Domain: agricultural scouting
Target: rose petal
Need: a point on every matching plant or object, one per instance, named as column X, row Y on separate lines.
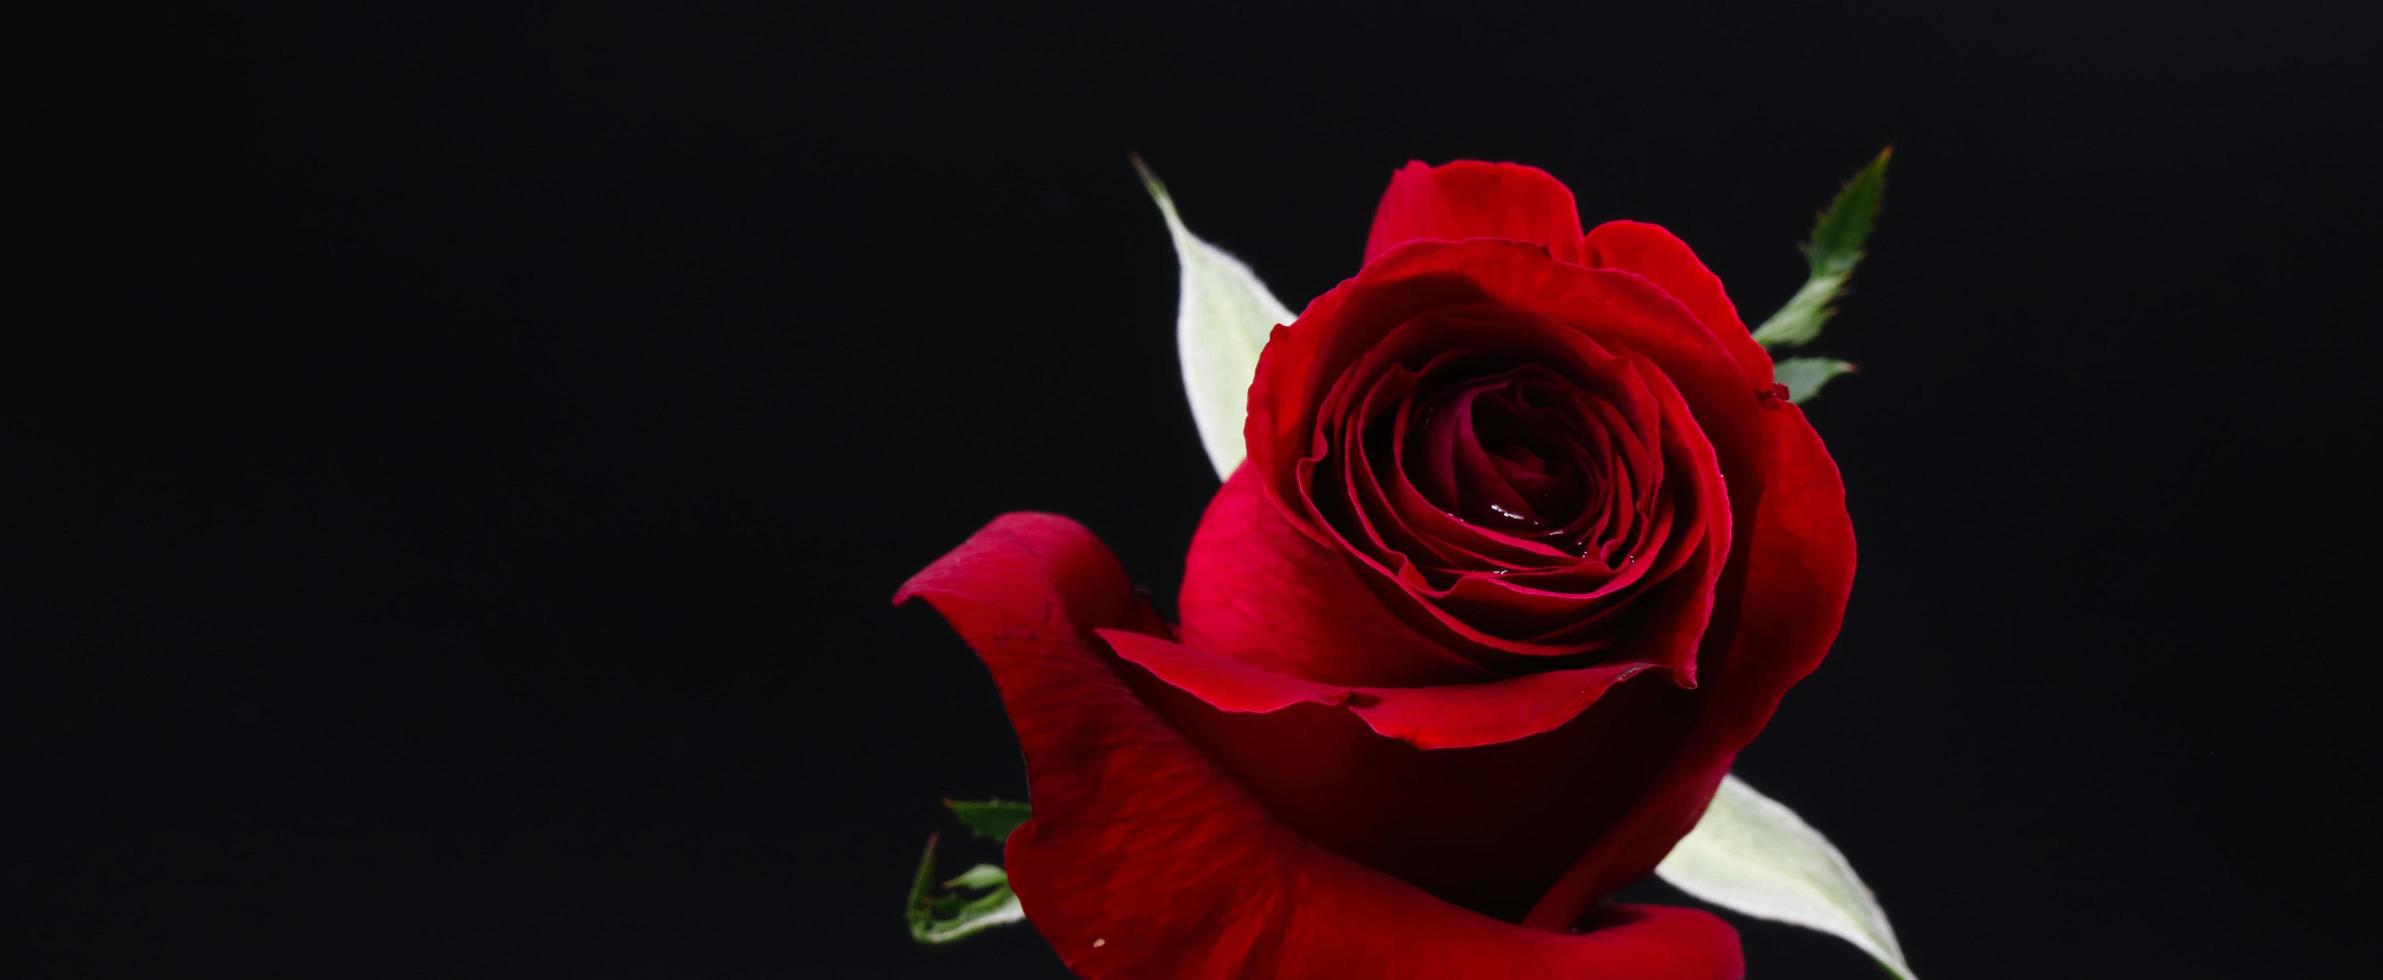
column 1778, row 610
column 1483, row 827
column 1471, row 199
column 1257, row 590
column 1408, row 552
column 1449, row 716
column 1662, row 258
column 1799, row 573
column 1794, row 593
column 1614, row 308
column 1143, row 859
column 1394, row 516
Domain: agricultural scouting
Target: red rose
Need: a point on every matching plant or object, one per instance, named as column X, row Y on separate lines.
column 1528, row 545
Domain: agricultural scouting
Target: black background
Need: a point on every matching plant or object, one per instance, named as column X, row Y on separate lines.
column 493, row 438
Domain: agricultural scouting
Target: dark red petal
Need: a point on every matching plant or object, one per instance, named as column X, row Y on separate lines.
column 1618, row 309
column 1143, row 859
column 1671, row 633
column 1393, row 522
column 1792, row 589
column 1798, row 574
column 1489, row 828
column 1779, row 608
column 1258, row 591
column 1449, row 716
column 1471, row 199
column 1660, row 257
column 1638, row 840
column 1400, row 309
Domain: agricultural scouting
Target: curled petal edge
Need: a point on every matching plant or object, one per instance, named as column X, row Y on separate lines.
column 1452, row 716
column 1145, row 860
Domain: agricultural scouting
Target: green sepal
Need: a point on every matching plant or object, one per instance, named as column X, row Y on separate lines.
column 1835, row 248
column 1804, row 376
column 978, row 899
column 990, row 819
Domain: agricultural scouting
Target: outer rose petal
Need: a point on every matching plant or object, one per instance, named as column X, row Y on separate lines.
column 1449, row 716
column 1144, row 860
column 1489, row 827
column 1660, row 257
column 1780, row 607
column 1471, row 199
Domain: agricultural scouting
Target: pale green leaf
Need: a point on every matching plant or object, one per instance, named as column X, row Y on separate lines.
column 990, row 819
column 980, row 877
column 1754, row 856
column 1804, row 376
column 1798, row 322
column 977, row 900
column 1835, row 248
column 1222, row 320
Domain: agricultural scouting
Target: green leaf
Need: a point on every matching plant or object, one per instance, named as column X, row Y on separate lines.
column 1837, row 239
column 1835, row 248
column 1752, row 855
column 1222, row 321
column 979, row 899
column 980, row 877
column 990, row 819
column 1804, row 376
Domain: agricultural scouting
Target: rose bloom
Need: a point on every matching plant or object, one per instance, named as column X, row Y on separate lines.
column 1527, row 547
